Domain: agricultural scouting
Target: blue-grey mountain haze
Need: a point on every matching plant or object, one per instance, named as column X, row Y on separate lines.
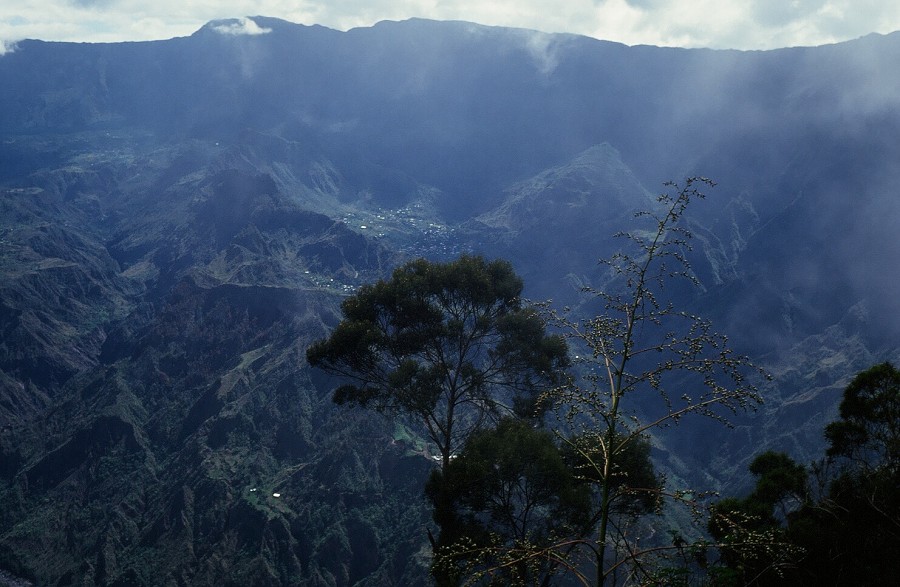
column 181, row 218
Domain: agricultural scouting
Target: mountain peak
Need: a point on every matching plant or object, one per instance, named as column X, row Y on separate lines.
column 252, row 26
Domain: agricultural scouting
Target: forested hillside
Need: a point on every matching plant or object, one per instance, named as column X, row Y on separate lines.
column 180, row 221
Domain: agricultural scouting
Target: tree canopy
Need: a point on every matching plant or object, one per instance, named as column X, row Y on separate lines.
column 640, row 355
column 509, row 492
column 868, row 432
column 848, row 534
column 450, row 345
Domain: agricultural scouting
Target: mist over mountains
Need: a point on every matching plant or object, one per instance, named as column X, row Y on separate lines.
column 180, row 219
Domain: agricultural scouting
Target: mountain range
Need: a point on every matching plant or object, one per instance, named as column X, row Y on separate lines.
column 180, row 219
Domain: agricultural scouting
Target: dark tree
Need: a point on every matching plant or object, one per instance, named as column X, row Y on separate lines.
column 852, row 536
column 867, row 435
column 509, row 492
column 781, row 483
column 848, row 535
column 634, row 484
column 449, row 345
column 747, row 529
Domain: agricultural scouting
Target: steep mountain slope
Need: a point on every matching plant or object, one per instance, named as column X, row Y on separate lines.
column 180, row 219
column 174, row 304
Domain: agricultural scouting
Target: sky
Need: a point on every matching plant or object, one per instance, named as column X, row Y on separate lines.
column 719, row 24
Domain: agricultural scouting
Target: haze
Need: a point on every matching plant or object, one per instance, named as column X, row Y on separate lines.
column 722, row 24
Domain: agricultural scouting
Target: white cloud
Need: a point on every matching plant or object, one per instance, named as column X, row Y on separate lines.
column 743, row 24
column 241, row 26
column 544, row 50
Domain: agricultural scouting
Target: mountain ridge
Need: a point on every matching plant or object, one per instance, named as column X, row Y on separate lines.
column 179, row 219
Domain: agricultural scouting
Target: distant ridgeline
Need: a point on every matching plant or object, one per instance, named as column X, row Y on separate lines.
column 180, row 219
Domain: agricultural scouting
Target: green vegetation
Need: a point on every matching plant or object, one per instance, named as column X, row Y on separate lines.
column 842, row 518
column 647, row 364
column 449, row 345
column 450, row 349
column 521, row 505
column 446, row 345
column 510, row 491
column 173, row 238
